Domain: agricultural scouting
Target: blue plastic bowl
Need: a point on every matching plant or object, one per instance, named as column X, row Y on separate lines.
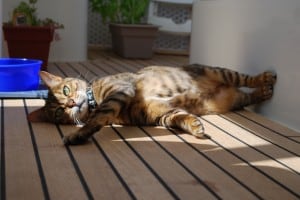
column 18, row 74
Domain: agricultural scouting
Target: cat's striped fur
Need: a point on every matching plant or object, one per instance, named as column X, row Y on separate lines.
column 166, row 96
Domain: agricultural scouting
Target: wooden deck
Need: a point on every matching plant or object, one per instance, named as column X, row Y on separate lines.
column 248, row 157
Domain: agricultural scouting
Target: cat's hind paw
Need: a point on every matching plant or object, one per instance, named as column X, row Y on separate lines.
column 263, row 93
column 269, row 78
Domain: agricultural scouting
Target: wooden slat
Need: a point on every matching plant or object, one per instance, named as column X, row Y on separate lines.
column 237, row 166
column 94, row 69
column 96, row 172
column 52, row 68
column 270, row 175
column 271, row 125
column 178, row 180
column 21, row 169
column 128, row 64
column 136, row 175
column 281, row 145
column 261, row 154
column 201, row 167
column 56, row 163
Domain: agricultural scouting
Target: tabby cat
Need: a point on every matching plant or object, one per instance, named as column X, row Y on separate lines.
column 165, row 96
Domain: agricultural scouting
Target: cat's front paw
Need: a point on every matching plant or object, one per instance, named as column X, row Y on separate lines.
column 73, row 139
column 198, row 129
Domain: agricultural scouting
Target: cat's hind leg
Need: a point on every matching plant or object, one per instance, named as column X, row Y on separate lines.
column 259, row 95
column 233, row 78
column 262, row 79
column 183, row 120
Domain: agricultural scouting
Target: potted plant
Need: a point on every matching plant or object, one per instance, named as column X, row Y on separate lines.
column 130, row 37
column 27, row 36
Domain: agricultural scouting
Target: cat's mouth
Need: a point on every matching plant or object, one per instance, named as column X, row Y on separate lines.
column 76, row 115
column 79, row 111
column 81, row 105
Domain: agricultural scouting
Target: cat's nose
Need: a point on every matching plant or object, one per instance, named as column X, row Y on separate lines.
column 71, row 103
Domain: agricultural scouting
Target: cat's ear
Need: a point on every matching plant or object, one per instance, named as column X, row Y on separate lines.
column 49, row 79
column 38, row 115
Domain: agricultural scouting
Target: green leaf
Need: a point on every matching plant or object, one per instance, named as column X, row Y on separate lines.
column 120, row 11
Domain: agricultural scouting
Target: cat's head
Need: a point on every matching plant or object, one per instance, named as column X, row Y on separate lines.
column 66, row 102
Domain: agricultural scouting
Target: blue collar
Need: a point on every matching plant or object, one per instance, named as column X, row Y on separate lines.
column 90, row 97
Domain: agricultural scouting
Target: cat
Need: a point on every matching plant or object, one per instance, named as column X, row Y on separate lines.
column 173, row 97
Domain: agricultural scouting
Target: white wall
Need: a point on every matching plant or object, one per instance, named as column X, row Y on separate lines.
column 251, row 36
column 71, row 13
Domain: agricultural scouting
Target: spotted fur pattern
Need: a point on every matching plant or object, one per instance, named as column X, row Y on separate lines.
column 165, row 96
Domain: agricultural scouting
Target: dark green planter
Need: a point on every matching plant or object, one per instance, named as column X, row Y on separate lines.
column 133, row 40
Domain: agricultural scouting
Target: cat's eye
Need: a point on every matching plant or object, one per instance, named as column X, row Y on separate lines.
column 66, row 90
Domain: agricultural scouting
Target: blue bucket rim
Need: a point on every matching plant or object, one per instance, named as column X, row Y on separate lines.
column 29, row 62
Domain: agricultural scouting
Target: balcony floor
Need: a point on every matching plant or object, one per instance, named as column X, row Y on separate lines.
column 248, row 157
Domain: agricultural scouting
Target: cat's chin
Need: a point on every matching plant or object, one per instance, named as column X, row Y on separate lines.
column 79, row 114
column 84, row 108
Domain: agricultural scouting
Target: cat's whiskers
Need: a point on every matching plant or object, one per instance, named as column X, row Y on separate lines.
column 81, row 94
column 74, row 114
column 92, row 80
column 86, row 75
column 81, row 99
column 79, row 76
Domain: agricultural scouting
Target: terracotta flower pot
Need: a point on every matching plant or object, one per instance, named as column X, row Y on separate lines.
column 29, row 42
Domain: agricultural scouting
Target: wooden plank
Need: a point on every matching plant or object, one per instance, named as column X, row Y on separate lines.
column 172, row 60
column 181, row 182
column 156, row 60
column 160, row 62
column 99, row 176
column 135, row 62
column 128, row 64
column 277, row 156
column 116, row 67
column 21, row 169
column 61, row 177
column 271, row 174
column 82, row 71
column 137, row 176
column 108, row 69
column 123, row 66
column 199, row 165
column 94, row 68
column 271, row 125
column 278, row 140
column 52, row 68
column 239, row 170
column 67, row 69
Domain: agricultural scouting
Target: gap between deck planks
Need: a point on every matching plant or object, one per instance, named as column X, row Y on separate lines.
column 248, row 155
